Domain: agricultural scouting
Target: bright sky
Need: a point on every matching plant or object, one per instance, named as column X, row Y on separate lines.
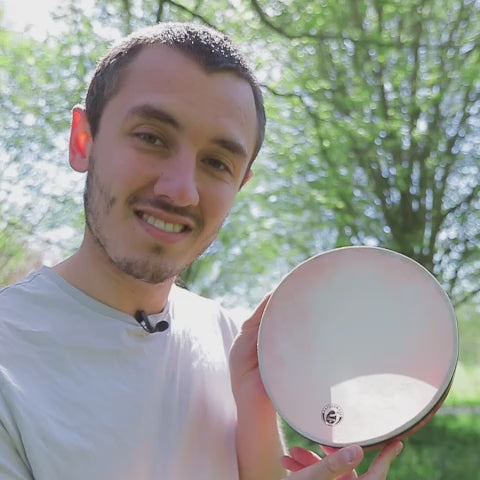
column 35, row 13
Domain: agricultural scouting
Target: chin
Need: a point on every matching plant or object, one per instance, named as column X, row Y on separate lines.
column 147, row 271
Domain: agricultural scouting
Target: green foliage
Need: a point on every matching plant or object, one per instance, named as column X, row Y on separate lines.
column 372, row 136
column 469, row 328
column 388, row 125
column 12, row 255
column 372, row 109
column 16, row 259
column 40, row 82
column 444, row 449
column 466, row 384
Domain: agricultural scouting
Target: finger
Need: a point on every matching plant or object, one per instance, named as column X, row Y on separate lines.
column 381, row 465
column 333, row 466
column 299, row 459
column 329, row 450
column 349, row 476
column 291, row 464
column 254, row 320
column 303, row 456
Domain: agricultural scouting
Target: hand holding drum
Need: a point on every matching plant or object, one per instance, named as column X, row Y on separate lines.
column 358, row 346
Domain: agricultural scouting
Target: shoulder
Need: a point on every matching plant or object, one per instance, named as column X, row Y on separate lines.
column 22, row 304
column 15, row 293
column 202, row 310
column 189, row 298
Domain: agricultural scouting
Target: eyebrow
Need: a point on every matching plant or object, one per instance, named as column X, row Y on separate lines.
column 149, row 112
column 232, row 146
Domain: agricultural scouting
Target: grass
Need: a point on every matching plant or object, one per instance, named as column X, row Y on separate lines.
column 466, row 386
column 446, row 449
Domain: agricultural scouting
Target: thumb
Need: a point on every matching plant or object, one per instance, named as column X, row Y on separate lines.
column 333, row 466
column 254, row 320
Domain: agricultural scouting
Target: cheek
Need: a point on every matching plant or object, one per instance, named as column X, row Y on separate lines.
column 117, row 162
column 218, row 201
column 124, row 181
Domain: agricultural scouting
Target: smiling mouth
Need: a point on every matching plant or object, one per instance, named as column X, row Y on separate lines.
column 165, row 226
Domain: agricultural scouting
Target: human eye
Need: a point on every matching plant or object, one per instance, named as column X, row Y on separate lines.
column 151, row 139
column 217, row 164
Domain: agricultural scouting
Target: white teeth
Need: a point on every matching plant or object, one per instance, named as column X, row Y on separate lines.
column 167, row 227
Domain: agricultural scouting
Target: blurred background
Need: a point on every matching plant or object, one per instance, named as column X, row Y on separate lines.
column 373, row 138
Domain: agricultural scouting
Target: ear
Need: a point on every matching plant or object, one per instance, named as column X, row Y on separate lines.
column 247, row 178
column 80, row 140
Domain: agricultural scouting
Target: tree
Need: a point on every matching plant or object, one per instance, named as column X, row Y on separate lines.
column 390, row 98
column 373, row 108
column 40, row 83
column 16, row 259
column 373, row 138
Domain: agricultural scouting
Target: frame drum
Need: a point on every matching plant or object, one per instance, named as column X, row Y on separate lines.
column 358, row 345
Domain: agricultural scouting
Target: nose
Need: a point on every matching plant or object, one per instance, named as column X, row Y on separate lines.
column 177, row 181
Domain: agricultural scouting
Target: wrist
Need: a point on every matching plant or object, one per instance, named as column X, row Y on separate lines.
column 260, row 443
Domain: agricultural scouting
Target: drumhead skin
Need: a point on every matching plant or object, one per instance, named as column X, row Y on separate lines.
column 358, row 345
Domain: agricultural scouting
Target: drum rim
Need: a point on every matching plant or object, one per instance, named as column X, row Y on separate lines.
column 437, row 399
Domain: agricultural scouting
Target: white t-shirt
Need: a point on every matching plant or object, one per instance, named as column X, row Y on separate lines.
column 87, row 394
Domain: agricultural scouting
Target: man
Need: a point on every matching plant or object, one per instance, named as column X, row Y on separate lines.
column 108, row 370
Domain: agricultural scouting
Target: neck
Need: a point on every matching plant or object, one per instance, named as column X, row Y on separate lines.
column 100, row 279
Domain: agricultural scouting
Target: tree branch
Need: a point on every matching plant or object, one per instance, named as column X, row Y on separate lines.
column 265, row 19
column 194, row 15
column 159, row 13
column 466, row 200
column 466, row 297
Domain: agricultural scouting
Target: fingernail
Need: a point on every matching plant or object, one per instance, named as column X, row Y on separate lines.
column 349, row 453
column 399, row 449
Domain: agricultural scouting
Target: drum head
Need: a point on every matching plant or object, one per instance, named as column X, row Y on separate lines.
column 357, row 345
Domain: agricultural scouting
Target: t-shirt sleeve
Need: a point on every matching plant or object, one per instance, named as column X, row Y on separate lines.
column 13, row 462
column 231, row 326
column 12, row 466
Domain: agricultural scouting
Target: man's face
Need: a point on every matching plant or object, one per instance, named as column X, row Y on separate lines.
column 170, row 154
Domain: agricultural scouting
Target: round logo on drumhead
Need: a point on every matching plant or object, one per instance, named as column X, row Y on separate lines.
column 332, row 414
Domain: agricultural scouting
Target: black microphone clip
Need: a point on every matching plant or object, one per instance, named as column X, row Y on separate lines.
column 142, row 318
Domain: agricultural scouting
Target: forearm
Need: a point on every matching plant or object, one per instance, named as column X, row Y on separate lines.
column 259, row 441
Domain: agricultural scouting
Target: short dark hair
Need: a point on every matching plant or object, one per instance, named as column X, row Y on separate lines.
column 209, row 48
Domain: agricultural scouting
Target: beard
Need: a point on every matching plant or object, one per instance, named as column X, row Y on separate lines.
column 154, row 267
